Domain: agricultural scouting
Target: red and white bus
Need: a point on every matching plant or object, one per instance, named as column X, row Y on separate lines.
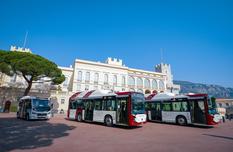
column 182, row 109
column 119, row 108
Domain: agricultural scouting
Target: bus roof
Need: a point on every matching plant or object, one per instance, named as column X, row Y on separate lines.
column 164, row 96
column 170, row 96
column 123, row 93
column 197, row 95
column 74, row 96
column 31, row 97
column 27, row 97
column 97, row 94
column 91, row 94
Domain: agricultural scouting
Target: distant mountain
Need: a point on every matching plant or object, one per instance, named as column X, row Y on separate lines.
column 215, row 90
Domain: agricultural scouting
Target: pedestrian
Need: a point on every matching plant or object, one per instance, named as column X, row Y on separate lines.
column 223, row 119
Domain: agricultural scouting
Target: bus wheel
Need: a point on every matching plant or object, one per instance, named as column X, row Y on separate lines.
column 27, row 117
column 181, row 120
column 79, row 117
column 108, row 121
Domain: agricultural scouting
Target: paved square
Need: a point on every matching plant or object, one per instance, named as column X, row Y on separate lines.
column 59, row 134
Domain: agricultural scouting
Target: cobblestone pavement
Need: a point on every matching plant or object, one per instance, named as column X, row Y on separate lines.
column 59, row 134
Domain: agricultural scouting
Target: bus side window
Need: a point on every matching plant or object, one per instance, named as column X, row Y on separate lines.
column 86, row 104
column 176, row 106
column 28, row 104
column 180, row 106
column 113, row 105
column 158, row 106
column 98, row 104
column 153, row 106
column 167, row 106
column 184, row 106
column 147, row 106
column 79, row 104
column 201, row 105
column 109, row 105
column 73, row 105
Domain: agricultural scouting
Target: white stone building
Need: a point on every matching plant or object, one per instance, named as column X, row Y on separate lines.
column 113, row 75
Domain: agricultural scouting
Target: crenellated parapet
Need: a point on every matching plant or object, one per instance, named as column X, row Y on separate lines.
column 20, row 49
column 114, row 61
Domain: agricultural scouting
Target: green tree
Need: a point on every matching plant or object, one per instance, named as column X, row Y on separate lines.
column 4, row 67
column 33, row 68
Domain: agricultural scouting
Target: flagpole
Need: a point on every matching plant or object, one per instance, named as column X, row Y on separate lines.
column 25, row 39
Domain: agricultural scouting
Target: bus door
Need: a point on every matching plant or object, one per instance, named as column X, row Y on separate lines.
column 24, row 109
column 27, row 107
column 89, row 109
column 197, row 109
column 156, row 112
column 20, row 109
column 121, row 113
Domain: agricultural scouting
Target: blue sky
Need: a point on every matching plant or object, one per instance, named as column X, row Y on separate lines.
column 196, row 36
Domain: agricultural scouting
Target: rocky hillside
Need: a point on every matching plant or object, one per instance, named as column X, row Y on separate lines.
column 215, row 90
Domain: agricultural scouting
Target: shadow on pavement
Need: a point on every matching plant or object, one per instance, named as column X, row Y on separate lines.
column 189, row 125
column 102, row 124
column 21, row 134
column 217, row 136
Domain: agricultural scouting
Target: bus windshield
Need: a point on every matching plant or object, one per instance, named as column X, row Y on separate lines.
column 138, row 106
column 212, row 105
column 41, row 105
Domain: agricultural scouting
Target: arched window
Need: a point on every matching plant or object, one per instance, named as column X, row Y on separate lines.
column 87, row 76
column 139, row 82
column 123, row 80
column 154, row 84
column 86, row 87
column 114, row 79
column 131, row 81
column 161, row 85
column 147, row 92
column 105, row 79
column 220, row 105
column 96, row 77
column 147, row 83
column 131, row 89
column 140, row 90
column 79, row 75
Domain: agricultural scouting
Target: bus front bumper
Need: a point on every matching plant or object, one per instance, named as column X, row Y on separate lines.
column 40, row 116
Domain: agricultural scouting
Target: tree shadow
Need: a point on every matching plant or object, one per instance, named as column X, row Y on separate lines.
column 20, row 134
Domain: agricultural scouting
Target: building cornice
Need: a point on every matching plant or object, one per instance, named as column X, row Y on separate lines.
column 118, row 67
column 145, row 71
column 66, row 68
column 100, row 64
